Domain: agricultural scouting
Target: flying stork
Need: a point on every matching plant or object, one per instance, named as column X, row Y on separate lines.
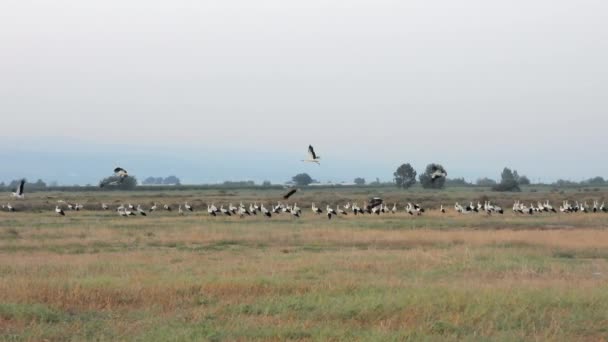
column 312, row 156
column 438, row 172
column 18, row 193
column 289, row 193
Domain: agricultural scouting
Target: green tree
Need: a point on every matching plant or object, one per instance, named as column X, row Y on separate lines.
column 171, row 180
column 427, row 180
column 509, row 181
column 524, row 180
column 359, row 181
column 302, row 179
column 115, row 183
column 486, row 182
column 405, row 176
column 149, row 181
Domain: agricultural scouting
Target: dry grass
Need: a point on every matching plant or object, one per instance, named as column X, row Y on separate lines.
column 96, row 276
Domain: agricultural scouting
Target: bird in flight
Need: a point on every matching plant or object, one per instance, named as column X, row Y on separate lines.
column 312, row 156
column 18, row 193
column 119, row 173
column 437, row 173
column 289, row 193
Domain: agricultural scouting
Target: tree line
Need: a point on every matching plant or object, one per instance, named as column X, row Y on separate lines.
column 404, row 177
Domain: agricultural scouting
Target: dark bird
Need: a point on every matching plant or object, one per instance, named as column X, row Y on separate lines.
column 289, row 193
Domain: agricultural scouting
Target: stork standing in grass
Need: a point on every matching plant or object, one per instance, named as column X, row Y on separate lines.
column 265, row 211
column 225, row 211
column 141, row 211
column 330, row 212
column 188, row 207
column 315, row 209
column 211, row 210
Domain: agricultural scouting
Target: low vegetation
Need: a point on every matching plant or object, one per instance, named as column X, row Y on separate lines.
column 95, row 276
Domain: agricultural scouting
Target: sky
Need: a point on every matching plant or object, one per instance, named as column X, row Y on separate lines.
column 237, row 89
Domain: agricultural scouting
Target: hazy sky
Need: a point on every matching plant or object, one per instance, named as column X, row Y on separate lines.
column 474, row 84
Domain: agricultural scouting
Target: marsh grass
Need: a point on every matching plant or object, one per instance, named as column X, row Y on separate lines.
column 96, row 276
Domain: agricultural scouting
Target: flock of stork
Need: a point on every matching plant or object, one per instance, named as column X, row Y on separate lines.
column 520, row 208
column 375, row 206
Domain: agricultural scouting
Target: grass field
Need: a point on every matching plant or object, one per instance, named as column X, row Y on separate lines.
column 93, row 275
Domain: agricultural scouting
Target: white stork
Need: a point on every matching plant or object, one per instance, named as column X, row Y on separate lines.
column 438, row 172
column 312, row 156
column 141, row 211
column 225, row 211
column 211, row 210
column 265, row 211
column 59, row 211
column 18, row 193
column 315, row 209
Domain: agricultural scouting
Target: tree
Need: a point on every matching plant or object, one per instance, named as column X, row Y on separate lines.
column 302, row 179
column 39, row 184
column 359, row 181
column 524, row 180
column 427, row 180
column 405, row 176
column 595, row 181
column 115, row 183
column 509, row 181
column 149, row 181
column 486, row 182
column 457, row 182
column 171, row 180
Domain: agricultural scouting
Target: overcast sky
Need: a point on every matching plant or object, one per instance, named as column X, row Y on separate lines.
column 474, row 84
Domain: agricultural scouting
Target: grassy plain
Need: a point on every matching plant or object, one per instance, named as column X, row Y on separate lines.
column 93, row 275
